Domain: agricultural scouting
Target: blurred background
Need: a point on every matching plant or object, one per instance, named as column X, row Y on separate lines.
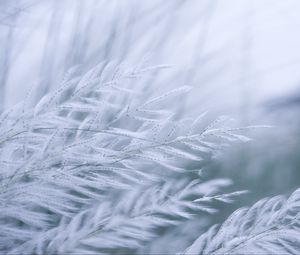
column 241, row 57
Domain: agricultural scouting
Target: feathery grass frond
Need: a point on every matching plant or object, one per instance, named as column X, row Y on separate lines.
column 94, row 167
column 270, row 226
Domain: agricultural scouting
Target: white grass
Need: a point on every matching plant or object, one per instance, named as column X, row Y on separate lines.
column 94, row 168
